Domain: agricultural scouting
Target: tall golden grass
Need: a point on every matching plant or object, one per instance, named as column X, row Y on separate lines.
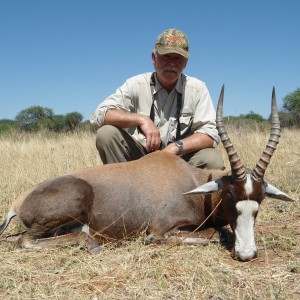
column 136, row 271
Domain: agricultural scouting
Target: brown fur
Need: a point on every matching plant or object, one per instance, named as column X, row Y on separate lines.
column 117, row 201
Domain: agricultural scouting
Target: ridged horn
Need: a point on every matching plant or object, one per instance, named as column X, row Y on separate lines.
column 237, row 168
column 261, row 166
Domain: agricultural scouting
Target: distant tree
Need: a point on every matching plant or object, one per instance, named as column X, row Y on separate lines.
column 7, row 126
column 286, row 119
column 59, row 123
column 249, row 121
column 291, row 102
column 73, row 120
column 87, row 126
column 291, row 105
column 253, row 116
column 35, row 118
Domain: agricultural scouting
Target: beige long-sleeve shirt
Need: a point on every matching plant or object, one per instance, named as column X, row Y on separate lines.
column 135, row 96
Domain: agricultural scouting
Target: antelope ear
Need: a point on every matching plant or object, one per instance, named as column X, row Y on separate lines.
column 206, row 188
column 275, row 193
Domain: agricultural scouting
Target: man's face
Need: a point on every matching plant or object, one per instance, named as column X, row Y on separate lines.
column 169, row 66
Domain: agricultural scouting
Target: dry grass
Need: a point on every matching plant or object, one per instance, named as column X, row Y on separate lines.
column 136, row 271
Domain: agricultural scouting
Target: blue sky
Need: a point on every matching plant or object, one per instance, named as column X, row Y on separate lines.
column 69, row 55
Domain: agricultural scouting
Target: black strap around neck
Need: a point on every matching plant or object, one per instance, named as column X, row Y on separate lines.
column 152, row 85
column 179, row 104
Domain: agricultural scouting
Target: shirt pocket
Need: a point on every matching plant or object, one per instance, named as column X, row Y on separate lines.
column 185, row 120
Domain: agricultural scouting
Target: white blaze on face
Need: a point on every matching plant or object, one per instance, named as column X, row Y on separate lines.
column 248, row 186
column 245, row 248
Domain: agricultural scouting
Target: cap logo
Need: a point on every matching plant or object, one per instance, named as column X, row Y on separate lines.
column 174, row 38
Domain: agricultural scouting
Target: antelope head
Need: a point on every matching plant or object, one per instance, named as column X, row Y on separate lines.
column 243, row 190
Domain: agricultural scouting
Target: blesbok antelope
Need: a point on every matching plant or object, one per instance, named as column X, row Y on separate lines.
column 119, row 200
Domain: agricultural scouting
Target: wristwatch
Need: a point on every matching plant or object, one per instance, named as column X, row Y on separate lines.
column 179, row 144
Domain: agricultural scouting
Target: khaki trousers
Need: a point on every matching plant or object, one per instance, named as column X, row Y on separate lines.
column 116, row 145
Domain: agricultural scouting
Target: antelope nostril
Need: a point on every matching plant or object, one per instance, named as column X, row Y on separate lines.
column 245, row 255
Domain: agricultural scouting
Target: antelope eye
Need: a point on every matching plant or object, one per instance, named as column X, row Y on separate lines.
column 231, row 194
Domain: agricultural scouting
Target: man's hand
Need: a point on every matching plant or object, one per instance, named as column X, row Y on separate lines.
column 151, row 133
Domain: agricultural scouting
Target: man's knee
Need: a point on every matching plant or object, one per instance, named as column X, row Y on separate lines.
column 110, row 144
column 208, row 158
column 215, row 161
column 105, row 135
column 116, row 145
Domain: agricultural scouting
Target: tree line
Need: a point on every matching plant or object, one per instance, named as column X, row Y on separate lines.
column 38, row 118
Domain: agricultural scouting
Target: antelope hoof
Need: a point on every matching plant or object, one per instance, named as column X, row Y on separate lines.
column 152, row 239
column 96, row 250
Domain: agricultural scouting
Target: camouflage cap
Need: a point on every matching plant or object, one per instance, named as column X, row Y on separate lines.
column 172, row 41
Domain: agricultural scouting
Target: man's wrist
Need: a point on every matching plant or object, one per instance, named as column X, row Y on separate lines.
column 180, row 146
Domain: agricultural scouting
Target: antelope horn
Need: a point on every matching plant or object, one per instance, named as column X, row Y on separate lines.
column 237, row 168
column 261, row 166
